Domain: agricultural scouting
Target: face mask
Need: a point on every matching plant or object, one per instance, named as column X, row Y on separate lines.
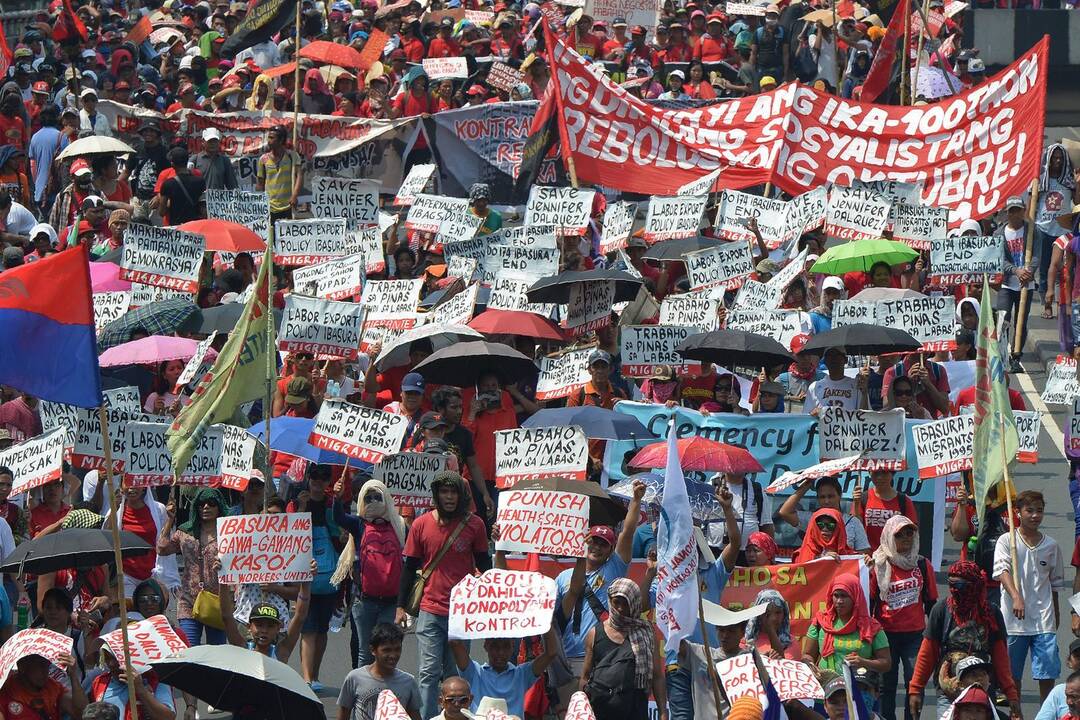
column 374, row 510
column 771, row 22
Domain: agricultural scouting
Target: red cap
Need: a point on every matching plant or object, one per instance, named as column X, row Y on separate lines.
column 476, row 90
column 603, row 532
column 715, row 17
column 121, row 85
column 799, row 342
column 974, row 695
column 231, row 81
column 185, row 88
column 84, row 227
column 41, row 87
column 638, row 30
column 80, row 167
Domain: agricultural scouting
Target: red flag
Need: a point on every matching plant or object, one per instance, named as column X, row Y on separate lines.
column 6, row 55
column 69, row 27
column 877, row 80
column 141, row 31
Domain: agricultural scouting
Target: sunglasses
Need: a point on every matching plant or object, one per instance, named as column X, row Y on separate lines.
column 458, row 699
column 149, row 598
column 959, row 584
column 825, row 524
column 373, row 497
column 908, row 531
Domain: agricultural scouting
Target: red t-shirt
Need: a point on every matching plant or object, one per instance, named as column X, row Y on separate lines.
column 967, row 397
column 485, row 426
column 140, row 522
column 901, row 609
column 13, row 132
column 41, row 517
column 710, row 50
column 877, row 511
column 425, row 539
column 20, row 702
column 698, row 389
column 441, row 48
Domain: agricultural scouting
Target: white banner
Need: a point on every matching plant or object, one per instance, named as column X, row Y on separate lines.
column 531, row 262
column 324, row 327
column 508, row 293
column 36, row 461
column 1061, row 385
column 250, row 209
column 428, row 212
column 408, row 476
column 307, row 242
column 108, row 306
column 356, row 200
column 162, row 256
column 148, row 462
column 698, row 310
column 149, row 640
column 877, row 436
column 389, row 299
column 726, row 266
column 966, row 259
column 618, row 222
column 360, row 432
column 417, row 181
column 930, row 320
column 339, row 279
column 534, row 453
column 446, row 67
column 944, row 446
column 563, row 375
column 856, row 214
column 501, row 604
column 669, row 218
column 919, row 225
column 646, row 348
column 267, row 548
column 566, row 209
column 736, row 208
column 589, row 308
column 543, row 521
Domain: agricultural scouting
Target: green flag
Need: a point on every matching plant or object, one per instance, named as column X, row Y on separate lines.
column 239, row 375
column 995, row 426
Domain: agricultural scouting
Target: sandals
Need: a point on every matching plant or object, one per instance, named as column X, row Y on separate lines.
column 1048, row 312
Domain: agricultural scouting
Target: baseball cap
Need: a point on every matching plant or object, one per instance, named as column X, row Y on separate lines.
column 772, row 388
column 298, row 391
column 80, row 167
column 799, row 342
column 677, row 73
column 834, row 686
column 264, row 611
column 965, row 337
column 432, row 420
column 867, row 677
column 476, row 90
column 834, row 283
column 1014, row 201
column 974, row 695
column 88, row 92
column 121, row 85
column 40, row 87
column 974, row 661
column 637, row 30
column 976, row 65
column 185, row 88
column 256, row 476
column 1074, row 646
column 599, row 355
column 413, row 382
column 91, row 202
column 715, row 18
column 211, row 134
column 767, row 80
column 618, row 22
column 603, row 532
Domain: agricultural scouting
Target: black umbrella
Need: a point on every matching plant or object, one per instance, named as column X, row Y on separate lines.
column 597, row 422
column 863, row 339
column 463, row 363
column 603, row 509
column 675, row 249
column 224, row 318
column 72, row 548
column 734, row 347
column 556, row 288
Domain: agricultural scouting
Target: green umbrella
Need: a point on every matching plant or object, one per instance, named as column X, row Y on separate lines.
column 861, row 255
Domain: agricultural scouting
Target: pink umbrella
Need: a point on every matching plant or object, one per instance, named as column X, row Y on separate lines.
column 149, row 350
column 105, row 277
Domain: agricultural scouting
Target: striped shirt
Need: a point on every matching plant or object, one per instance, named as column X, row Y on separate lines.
column 277, row 178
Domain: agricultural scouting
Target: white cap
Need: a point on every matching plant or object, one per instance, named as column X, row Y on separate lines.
column 488, row 703
column 677, row 73
column 211, row 134
column 87, row 92
column 185, row 62
column 832, row 283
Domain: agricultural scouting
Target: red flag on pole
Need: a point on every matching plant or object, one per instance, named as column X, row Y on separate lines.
column 69, row 27
column 6, row 55
column 877, row 80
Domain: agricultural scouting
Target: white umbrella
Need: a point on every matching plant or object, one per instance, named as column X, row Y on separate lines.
column 95, row 145
column 441, row 336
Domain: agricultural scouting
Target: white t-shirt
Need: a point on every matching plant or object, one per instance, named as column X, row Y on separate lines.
column 20, row 221
column 827, row 392
column 1041, row 573
column 745, row 507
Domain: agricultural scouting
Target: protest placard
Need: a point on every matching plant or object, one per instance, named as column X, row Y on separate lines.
column 147, row 460
column 82, row 427
column 618, row 222
column 739, row 8
column 462, row 267
column 508, row 293
column 534, row 453
column 458, row 310
column 919, row 225
column 787, row 274
column 360, row 432
column 386, row 330
column 634, row 12
column 930, row 320
column 783, row 326
column 457, row 228
column 589, row 308
column 110, row 305
column 702, row 186
column 191, row 367
column 428, row 212
column 566, row 209
column 647, row 348
column 324, row 327
column 877, row 436
column 501, row 604
column 268, row 548
column 850, row 312
column 944, row 446
column 526, row 236
column 820, row 470
column 355, row 199
column 149, row 640
column 307, row 242
column 142, row 294
column 504, row 77
column 417, row 181
column 474, row 248
column 563, row 375
column 387, row 300
column 446, row 67
column 36, row 461
column 1028, row 426
column 724, row 266
column 532, row 262
column 855, row 214
column 1061, row 383
column 162, row 256
column 408, row 475
column 367, row 240
column 1072, row 431
column 543, row 521
column 895, row 191
column 338, row 279
column 33, row 641
column 669, row 218
column 965, row 259
column 388, row 707
column 792, row 679
column 697, row 310
column 737, row 208
column 805, row 212
column 250, row 209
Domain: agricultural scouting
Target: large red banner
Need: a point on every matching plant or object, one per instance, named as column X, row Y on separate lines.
column 970, row 151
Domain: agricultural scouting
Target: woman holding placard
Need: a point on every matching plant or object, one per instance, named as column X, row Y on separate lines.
column 771, row 633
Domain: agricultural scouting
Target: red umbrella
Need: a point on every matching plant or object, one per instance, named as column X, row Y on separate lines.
column 331, row 53
column 516, row 322
column 225, row 236
column 698, row 453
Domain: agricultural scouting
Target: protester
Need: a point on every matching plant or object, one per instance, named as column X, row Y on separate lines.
column 846, row 632
column 360, row 690
column 770, row 632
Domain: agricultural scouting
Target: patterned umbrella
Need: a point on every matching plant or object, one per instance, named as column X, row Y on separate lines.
column 157, row 318
column 698, row 453
column 703, row 503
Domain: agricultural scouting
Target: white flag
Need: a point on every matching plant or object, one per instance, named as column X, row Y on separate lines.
column 677, row 555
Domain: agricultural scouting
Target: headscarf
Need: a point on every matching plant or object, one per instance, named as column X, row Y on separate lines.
column 118, row 58
column 886, row 556
column 746, row 707
column 464, row 496
column 970, row 225
column 252, row 103
column 479, row 191
column 960, row 306
column 970, row 605
column 7, row 152
column 774, row 598
column 192, row 526
column 860, row 621
column 82, row 518
column 380, row 511
column 118, row 216
column 814, row 544
column 314, row 84
column 765, row 544
column 1066, row 177
column 637, row 631
column 156, row 587
column 206, row 40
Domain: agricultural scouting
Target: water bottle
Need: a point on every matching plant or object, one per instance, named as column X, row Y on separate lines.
column 22, row 620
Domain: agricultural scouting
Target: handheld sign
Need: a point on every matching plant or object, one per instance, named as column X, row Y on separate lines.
column 697, row 310
column 356, row 200
column 739, row 8
column 332, row 280
column 161, row 256
column 944, row 446
column 702, row 186
column 930, row 320
column 82, row 427
column 501, row 604
column 34, row 641
column 428, row 212
column 920, row 226
column 504, row 77
column 563, row 375
column 725, row 266
column 250, row 209
column 360, row 432
column 589, row 308
column 737, row 208
column 565, row 209
column 543, row 521
column 647, row 348
column 457, row 228
column 618, row 222
column 1061, row 385
column 532, row 262
column 508, row 292
column 307, row 242
column 324, row 327
column 792, row 679
column 1072, row 431
column 147, row 460
column 149, row 640
column 1028, row 427
column 447, row 67
column 192, row 365
column 110, row 305
column 877, row 436
column 965, row 259
column 387, row 300
column 458, row 310
column 783, row 326
column 271, row 548
column 805, row 212
column 36, row 461
column 145, row 294
column 669, row 218
column 417, row 181
column 526, row 236
column 756, row 296
column 856, row 214
column 534, row 453
column 408, row 476
column 368, row 240
column 388, row 707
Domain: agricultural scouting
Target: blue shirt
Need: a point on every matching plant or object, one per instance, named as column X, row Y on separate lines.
column 117, row 694
column 820, row 323
column 510, row 685
column 644, row 538
column 599, row 581
column 711, row 582
column 1055, row 706
column 44, row 145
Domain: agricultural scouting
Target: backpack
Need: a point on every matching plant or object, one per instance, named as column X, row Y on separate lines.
column 993, row 527
column 379, row 557
column 611, row 684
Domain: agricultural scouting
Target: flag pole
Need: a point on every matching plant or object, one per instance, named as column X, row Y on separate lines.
column 271, row 366
column 905, row 81
column 918, row 53
column 1029, row 239
column 714, row 678
column 296, row 98
column 1009, row 505
column 118, row 558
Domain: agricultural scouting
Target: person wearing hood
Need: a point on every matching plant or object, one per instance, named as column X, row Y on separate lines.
column 846, row 632
column 13, row 176
column 825, row 536
column 451, row 525
column 262, row 94
column 1057, row 194
column 43, row 240
column 317, row 98
column 14, row 121
column 770, row 632
column 856, row 75
column 196, row 542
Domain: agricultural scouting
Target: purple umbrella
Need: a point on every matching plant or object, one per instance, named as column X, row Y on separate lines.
column 105, row 277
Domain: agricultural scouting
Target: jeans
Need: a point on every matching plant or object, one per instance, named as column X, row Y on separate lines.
column 680, row 696
column 1009, row 301
column 194, row 631
column 903, row 646
column 367, row 614
column 1046, row 247
column 436, row 662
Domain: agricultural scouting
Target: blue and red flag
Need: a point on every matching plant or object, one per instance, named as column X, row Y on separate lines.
column 47, row 316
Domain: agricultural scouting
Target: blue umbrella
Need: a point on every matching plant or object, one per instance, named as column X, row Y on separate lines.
column 290, row 436
column 598, row 423
column 703, row 503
